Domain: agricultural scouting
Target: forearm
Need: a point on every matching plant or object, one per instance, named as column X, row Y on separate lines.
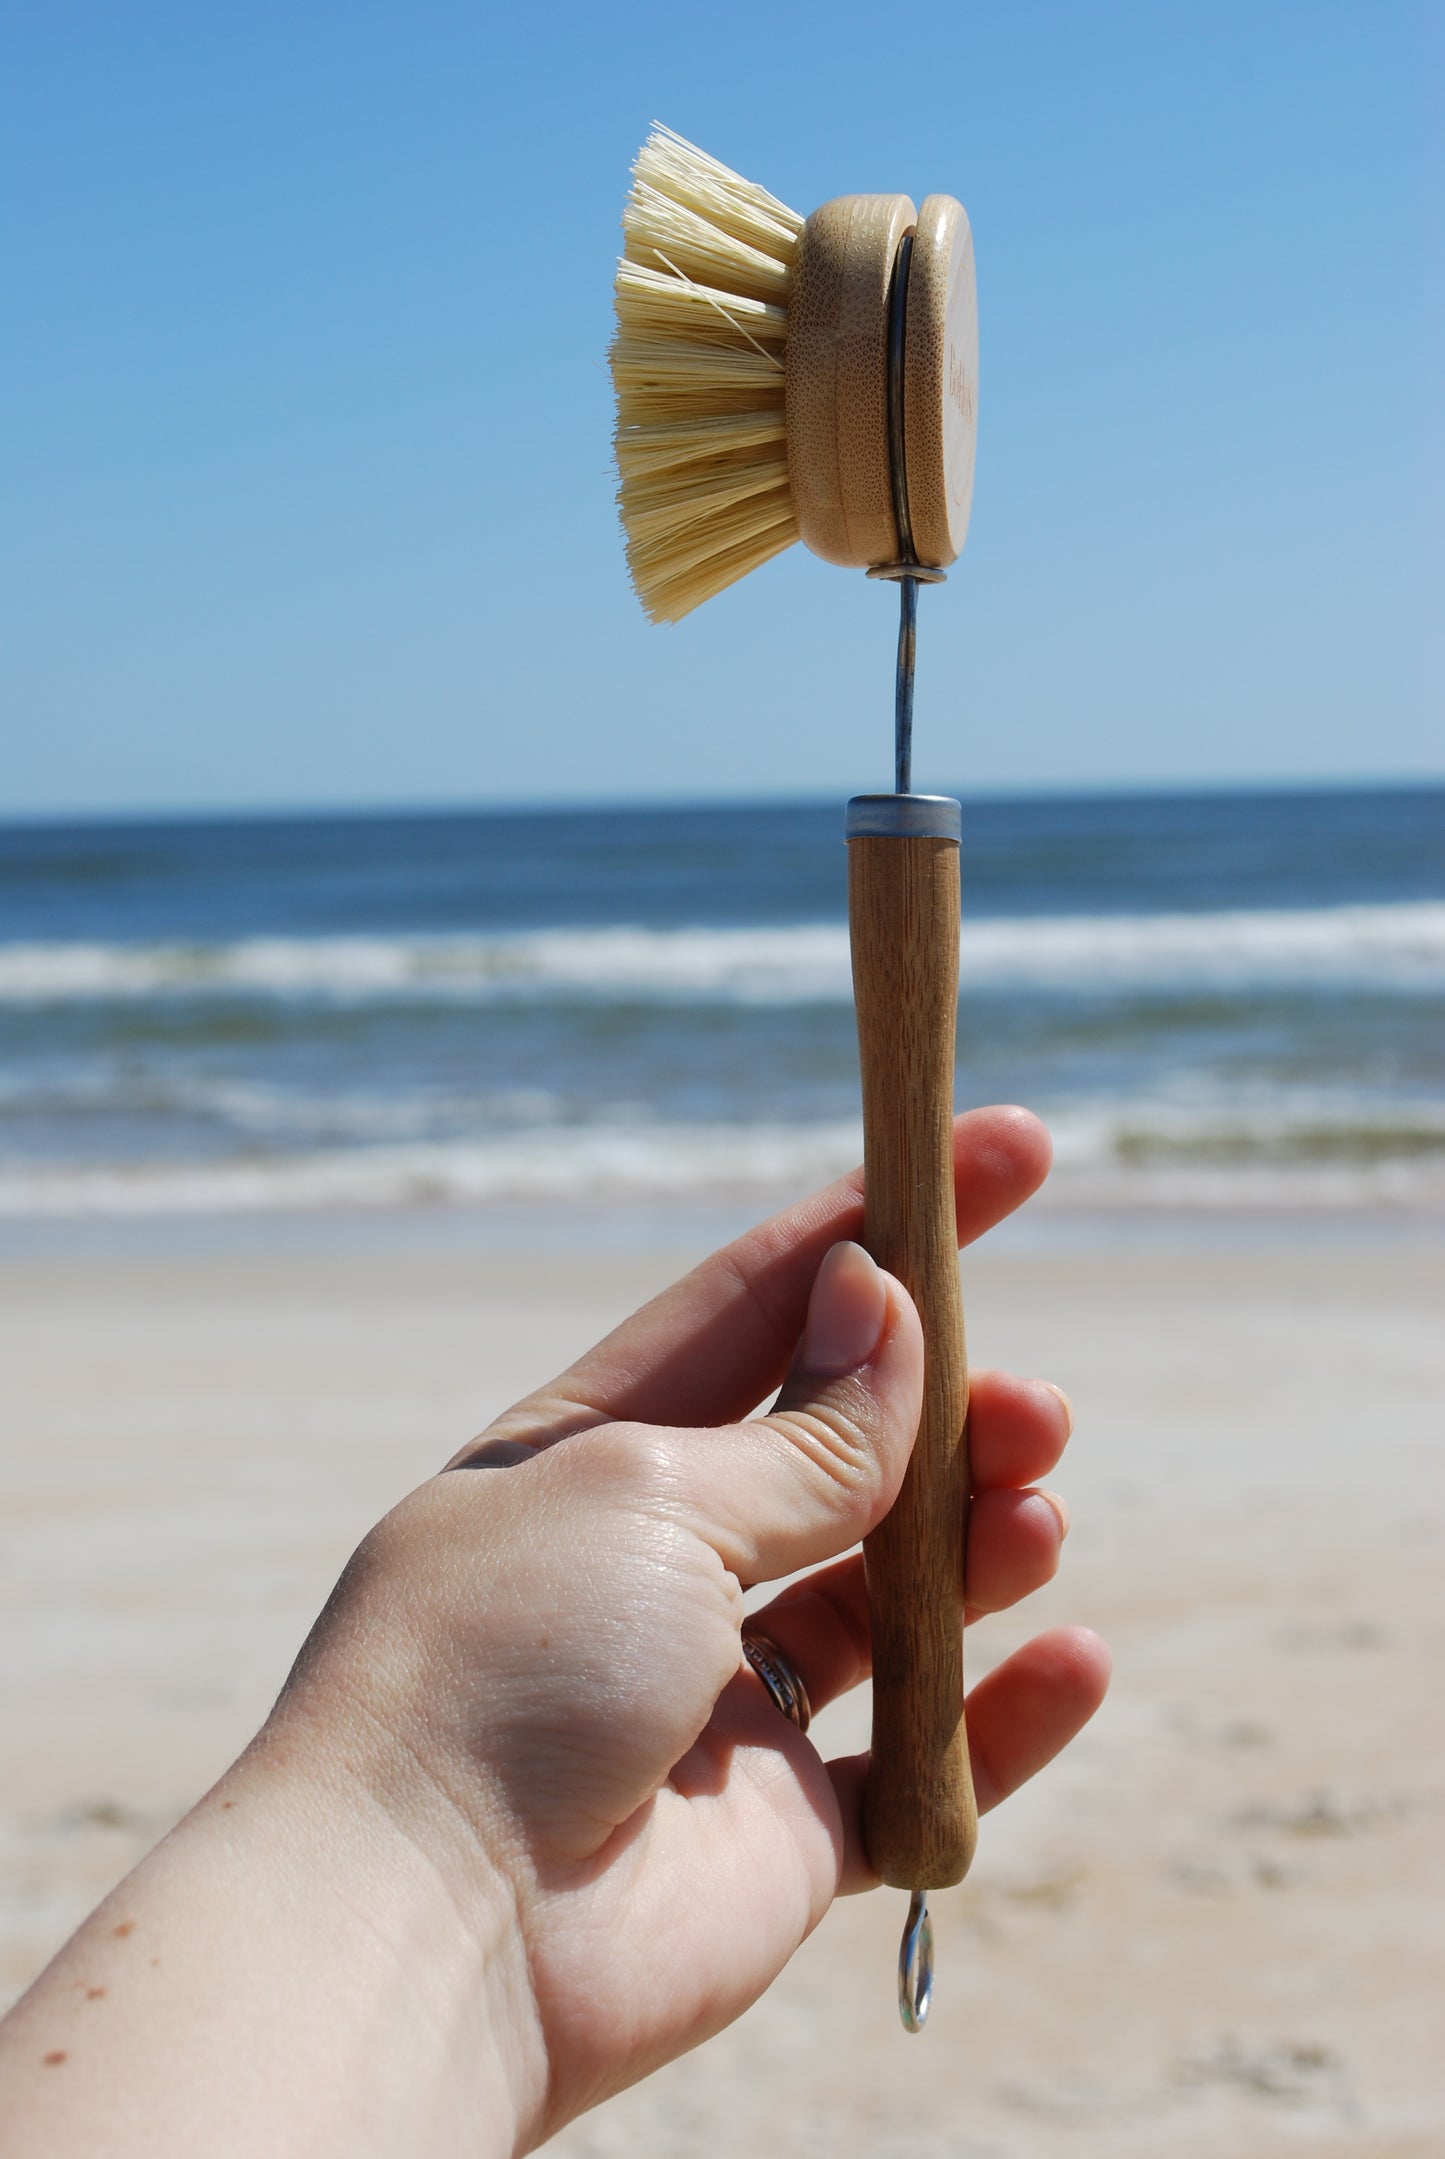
column 286, row 1973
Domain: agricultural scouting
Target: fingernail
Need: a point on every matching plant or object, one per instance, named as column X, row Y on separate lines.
column 1060, row 1508
column 846, row 1313
column 1066, row 1405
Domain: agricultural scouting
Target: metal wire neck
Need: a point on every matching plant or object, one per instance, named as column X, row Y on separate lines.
column 898, row 473
column 907, row 571
column 903, row 686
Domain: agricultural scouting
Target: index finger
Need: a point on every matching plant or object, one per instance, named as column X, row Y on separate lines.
column 711, row 1347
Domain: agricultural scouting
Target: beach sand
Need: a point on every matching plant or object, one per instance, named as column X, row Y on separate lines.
column 1219, row 1928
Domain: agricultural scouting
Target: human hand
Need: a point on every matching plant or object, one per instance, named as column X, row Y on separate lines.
column 522, row 1826
column 549, row 1632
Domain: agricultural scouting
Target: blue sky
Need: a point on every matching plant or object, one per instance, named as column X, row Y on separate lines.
column 306, row 489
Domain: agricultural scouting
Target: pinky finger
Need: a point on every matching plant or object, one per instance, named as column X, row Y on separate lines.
column 1019, row 1718
column 1031, row 1706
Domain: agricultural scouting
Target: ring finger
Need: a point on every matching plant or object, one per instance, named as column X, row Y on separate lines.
column 821, row 1623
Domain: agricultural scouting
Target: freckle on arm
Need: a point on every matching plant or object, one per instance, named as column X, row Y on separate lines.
column 53, row 2061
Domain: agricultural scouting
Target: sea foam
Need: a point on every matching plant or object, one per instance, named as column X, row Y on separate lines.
column 1398, row 947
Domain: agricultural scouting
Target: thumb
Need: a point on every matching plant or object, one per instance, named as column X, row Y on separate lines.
column 801, row 1484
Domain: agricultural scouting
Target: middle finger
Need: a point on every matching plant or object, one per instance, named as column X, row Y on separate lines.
column 1017, row 1429
column 821, row 1623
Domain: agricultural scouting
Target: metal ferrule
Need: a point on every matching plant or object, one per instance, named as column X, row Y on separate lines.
column 904, row 817
column 893, row 573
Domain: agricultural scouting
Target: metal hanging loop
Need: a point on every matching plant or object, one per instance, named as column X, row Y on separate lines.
column 915, row 1964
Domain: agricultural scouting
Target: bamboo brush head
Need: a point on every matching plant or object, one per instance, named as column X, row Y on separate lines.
column 750, row 362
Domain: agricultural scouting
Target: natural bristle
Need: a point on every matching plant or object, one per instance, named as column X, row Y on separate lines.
column 697, row 364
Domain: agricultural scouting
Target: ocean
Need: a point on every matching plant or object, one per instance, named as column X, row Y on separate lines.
column 1214, row 999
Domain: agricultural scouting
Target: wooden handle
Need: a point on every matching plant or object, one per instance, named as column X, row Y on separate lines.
column 920, row 1819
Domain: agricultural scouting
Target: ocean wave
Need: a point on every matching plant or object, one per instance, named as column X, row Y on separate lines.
column 1237, row 1129
column 1398, row 947
column 1304, row 1153
column 570, row 1162
column 273, row 1112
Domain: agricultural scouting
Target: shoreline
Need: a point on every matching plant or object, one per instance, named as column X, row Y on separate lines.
column 1056, row 1219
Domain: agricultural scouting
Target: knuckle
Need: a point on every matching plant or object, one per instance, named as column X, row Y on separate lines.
column 838, row 1438
column 635, row 1463
column 383, row 1552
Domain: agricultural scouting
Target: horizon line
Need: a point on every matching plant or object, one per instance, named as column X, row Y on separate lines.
column 661, row 804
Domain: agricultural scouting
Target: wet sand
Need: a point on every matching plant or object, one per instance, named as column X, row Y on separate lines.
column 1218, row 1929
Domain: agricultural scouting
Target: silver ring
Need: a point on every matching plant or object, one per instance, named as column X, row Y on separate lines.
column 785, row 1688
